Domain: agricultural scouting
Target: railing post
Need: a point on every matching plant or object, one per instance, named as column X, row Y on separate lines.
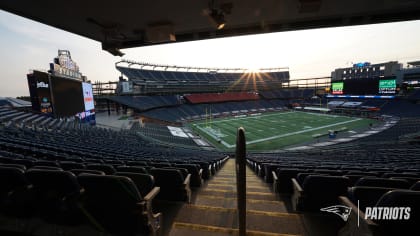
column 241, row 179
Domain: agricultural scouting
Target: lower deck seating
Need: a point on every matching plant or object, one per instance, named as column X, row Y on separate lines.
column 318, row 191
column 174, row 186
column 114, row 204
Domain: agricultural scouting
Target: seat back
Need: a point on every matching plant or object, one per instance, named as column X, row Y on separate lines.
column 77, row 172
column 171, row 183
column 322, row 191
column 133, row 169
column 167, row 177
column 144, row 182
column 285, row 175
column 112, row 203
column 14, row 196
column 106, row 168
column 46, row 163
column 69, row 165
column 25, row 162
column 382, row 182
column 400, row 198
column 55, row 195
column 194, row 170
column 416, row 186
column 367, row 196
column 11, row 178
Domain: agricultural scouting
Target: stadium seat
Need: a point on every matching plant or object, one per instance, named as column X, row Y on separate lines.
column 362, row 225
column 46, row 163
column 113, row 204
column 415, row 186
column 14, row 198
column 160, row 165
column 55, row 194
column 173, row 186
column 367, row 196
column 136, row 163
column 25, row 162
column 410, row 180
column 195, row 171
column 390, row 175
column 134, row 169
column 401, row 198
column 283, row 179
column 206, row 169
column 77, row 172
column 144, row 182
column 45, row 168
column 382, row 182
column 69, row 165
column 22, row 167
column 318, row 191
column 106, row 168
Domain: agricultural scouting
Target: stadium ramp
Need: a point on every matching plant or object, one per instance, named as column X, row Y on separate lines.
column 213, row 211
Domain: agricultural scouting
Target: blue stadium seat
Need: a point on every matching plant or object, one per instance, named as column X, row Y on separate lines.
column 113, row 204
column 173, row 186
column 318, row 191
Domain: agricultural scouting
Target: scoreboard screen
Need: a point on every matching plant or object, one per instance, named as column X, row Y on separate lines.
column 68, row 96
column 387, row 86
column 337, row 87
column 366, row 86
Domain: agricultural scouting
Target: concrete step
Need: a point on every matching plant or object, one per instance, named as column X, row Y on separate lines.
column 232, row 187
column 229, row 193
column 271, row 222
column 251, row 204
column 185, row 229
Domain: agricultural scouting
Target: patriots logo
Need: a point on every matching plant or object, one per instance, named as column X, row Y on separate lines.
column 340, row 210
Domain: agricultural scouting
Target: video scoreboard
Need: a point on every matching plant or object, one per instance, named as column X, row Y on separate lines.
column 60, row 93
column 386, row 86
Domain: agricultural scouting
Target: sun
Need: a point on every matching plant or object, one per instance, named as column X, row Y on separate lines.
column 253, row 70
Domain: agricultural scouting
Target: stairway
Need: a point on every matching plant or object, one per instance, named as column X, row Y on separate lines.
column 213, row 211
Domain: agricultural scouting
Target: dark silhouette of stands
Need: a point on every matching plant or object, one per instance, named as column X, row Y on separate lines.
column 166, row 81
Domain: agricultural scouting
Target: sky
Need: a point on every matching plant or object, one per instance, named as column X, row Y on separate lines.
column 26, row 45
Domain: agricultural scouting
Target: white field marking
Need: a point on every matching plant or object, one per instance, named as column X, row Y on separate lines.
column 268, row 115
column 214, row 137
column 248, row 117
column 284, row 135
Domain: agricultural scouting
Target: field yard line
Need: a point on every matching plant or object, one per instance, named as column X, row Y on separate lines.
column 216, row 138
column 300, row 132
column 242, row 118
column 282, row 135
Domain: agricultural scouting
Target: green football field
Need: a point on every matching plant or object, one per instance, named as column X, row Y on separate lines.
column 276, row 130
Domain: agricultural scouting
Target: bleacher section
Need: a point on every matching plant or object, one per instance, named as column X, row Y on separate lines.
column 326, row 178
column 84, row 180
column 196, row 111
column 288, row 93
column 220, row 97
column 171, row 79
column 142, row 103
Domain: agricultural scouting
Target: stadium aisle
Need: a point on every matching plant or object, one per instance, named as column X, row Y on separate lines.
column 213, row 211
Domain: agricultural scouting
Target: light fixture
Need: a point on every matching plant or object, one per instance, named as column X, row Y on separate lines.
column 217, row 14
column 219, row 18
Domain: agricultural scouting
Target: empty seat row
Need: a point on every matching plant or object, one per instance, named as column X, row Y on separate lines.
column 107, row 202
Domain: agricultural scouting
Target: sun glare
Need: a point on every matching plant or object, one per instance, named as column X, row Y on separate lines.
column 253, row 70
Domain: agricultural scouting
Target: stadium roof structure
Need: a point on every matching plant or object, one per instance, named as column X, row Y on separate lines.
column 161, row 67
column 129, row 23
